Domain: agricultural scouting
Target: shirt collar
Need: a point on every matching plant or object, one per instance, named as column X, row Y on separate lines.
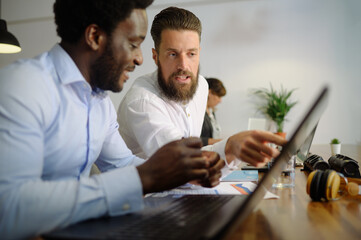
column 67, row 70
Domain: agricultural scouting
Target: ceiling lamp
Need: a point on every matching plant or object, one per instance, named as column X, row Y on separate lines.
column 8, row 42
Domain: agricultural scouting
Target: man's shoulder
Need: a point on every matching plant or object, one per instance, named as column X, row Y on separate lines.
column 32, row 66
column 29, row 81
column 202, row 83
column 146, row 82
column 144, row 87
column 25, row 73
column 202, row 91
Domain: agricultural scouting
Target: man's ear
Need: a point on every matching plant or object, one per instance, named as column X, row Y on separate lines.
column 155, row 56
column 95, row 37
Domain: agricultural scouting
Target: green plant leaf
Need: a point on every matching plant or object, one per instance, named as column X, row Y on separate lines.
column 275, row 104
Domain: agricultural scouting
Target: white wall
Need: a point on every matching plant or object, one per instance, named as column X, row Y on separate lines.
column 301, row 44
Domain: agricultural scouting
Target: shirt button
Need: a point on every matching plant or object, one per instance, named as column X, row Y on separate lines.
column 189, row 115
column 126, row 207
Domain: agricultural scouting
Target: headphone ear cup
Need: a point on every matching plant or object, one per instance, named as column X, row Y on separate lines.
column 309, row 181
column 324, row 185
column 314, row 185
column 332, row 185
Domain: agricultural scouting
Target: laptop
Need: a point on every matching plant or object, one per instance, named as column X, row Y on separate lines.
column 194, row 216
column 304, row 151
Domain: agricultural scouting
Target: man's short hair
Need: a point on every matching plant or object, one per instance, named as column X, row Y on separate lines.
column 72, row 17
column 174, row 18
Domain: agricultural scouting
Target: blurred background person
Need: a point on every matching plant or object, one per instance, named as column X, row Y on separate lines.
column 211, row 131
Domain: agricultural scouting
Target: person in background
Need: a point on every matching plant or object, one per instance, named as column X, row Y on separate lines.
column 211, row 131
column 170, row 103
column 56, row 121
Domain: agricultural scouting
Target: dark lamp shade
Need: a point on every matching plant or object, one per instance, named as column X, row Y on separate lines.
column 8, row 42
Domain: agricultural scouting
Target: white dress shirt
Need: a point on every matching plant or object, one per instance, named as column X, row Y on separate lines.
column 148, row 120
column 53, row 127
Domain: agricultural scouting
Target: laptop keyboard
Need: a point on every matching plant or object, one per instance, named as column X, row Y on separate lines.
column 171, row 223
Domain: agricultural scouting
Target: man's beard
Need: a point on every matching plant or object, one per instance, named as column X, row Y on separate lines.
column 175, row 91
column 106, row 71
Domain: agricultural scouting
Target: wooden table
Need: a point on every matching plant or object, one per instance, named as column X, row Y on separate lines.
column 295, row 216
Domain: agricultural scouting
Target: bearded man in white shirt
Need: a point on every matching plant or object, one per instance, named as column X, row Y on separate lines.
column 169, row 103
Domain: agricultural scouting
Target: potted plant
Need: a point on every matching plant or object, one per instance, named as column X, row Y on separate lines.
column 335, row 146
column 275, row 105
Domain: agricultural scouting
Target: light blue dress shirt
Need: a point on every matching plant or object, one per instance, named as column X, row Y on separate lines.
column 53, row 127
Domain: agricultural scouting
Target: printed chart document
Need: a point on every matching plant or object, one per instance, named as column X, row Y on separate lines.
column 235, row 183
column 241, row 176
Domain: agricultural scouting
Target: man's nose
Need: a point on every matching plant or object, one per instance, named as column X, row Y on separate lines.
column 138, row 58
column 182, row 62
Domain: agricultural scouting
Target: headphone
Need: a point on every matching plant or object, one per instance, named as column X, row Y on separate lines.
column 345, row 165
column 325, row 185
column 315, row 162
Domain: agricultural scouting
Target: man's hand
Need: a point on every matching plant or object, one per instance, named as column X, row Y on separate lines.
column 177, row 163
column 216, row 164
column 252, row 147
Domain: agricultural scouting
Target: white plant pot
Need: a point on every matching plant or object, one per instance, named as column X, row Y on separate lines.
column 335, row 149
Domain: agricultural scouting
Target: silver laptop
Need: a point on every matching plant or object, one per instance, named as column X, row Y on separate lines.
column 304, row 151
column 194, row 216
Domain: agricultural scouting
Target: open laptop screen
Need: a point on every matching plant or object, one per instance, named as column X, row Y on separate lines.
column 303, row 151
